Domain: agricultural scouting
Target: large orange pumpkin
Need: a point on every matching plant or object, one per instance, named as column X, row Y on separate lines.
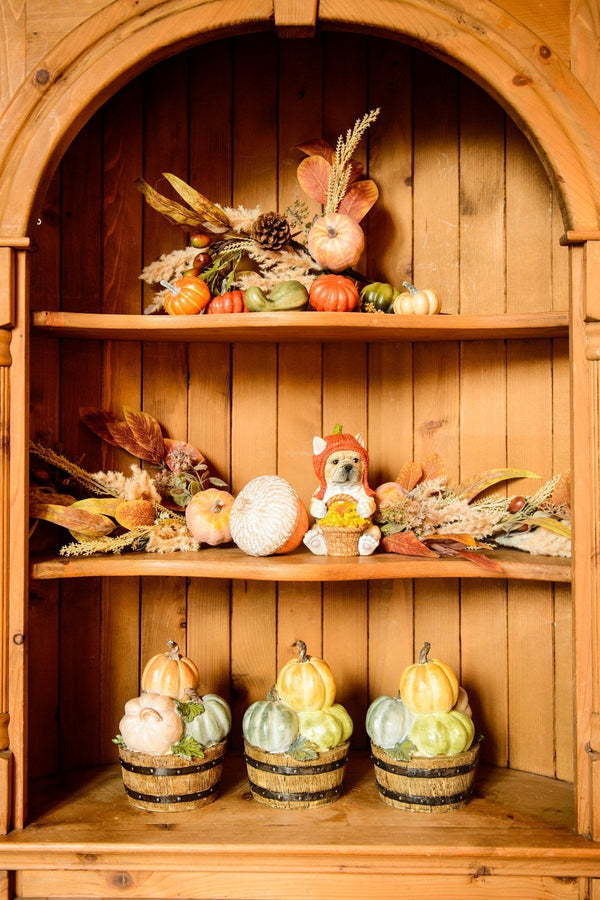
column 170, row 673
column 207, row 516
column 187, row 296
column 306, row 683
column 333, row 293
column 429, row 686
column 336, row 241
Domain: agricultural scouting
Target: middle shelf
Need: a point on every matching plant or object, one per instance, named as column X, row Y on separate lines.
column 300, row 565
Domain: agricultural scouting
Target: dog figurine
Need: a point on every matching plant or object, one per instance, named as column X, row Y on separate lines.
column 341, row 464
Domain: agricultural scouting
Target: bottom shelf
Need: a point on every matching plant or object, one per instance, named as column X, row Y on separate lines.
column 85, row 839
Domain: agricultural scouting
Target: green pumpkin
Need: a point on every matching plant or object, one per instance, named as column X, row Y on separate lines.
column 321, row 727
column 388, row 721
column 212, row 725
column 342, row 714
column 442, row 734
column 270, row 725
column 380, row 295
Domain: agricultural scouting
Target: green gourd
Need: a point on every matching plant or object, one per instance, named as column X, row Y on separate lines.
column 388, row 721
column 442, row 734
column 285, row 295
column 270, row 724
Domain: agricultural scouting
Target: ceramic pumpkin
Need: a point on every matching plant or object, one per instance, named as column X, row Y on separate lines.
column 442, row 734
column 388, row 721
column 462, row 704
column 270, row 724
column 207, row 516
column 213, row 724
column 187, row 296
column 336, row 241
column 151, row 724
column 429, row 686
column 416, row 302
column 229, row 302
column 321, row 727
column 267, row 516
column 333, row 293
column 170, row 673
column 306, row 683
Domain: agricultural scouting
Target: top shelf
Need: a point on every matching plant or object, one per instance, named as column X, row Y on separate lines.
column 298, row 326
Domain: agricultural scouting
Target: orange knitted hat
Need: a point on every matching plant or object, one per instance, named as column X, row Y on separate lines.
column 339, row 441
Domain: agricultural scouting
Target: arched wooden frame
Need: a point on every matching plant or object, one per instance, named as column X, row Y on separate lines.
column 499, row 53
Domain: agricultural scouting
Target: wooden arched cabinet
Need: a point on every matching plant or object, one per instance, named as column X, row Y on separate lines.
column 487, row 156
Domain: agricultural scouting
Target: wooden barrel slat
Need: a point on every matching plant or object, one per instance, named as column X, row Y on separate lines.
column 278, row 780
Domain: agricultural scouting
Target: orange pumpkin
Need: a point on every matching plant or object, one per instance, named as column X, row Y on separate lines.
column 306, row 683
column 333, row 293
column 390, row 493
column 207, row 516
column 230, row 302
column 336, row 241
column 429, row 686
column 187, row 296
column 170, row 673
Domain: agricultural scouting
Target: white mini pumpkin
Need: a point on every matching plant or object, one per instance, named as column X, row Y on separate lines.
column 268, row 517
column 151, row 724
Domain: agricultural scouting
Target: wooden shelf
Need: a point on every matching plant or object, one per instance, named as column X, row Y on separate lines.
column 299, row 326
column 83, row 832
column 301, row 565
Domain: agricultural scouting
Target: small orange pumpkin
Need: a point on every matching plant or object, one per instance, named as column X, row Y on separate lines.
column 429, row 686
column 333, row 293
column 187, row 296
column 307, row 682
column 230, row 302
column 207, row 516
column 336, row 241
column 170, row 673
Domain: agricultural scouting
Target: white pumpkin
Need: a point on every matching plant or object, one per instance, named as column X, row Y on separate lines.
column 151, row 724
column 267, row 516
column 212, row 725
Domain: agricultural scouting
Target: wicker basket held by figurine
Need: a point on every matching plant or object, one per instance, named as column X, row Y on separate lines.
column 342, row 540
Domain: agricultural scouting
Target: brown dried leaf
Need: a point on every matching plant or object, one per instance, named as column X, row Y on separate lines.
column 313, row 177
column 487, row 479
column 320, row 147
column 147, row 432
column 135, row 513
column 174, row 212
column 433, row 467
column 79, row 520
column 480, row 559
column 210, row 212
column 358, row 199
column 405, row 543
column 98, row 421
column 103, row 506
column 561, row 495
column 454, row 541
column 409, row 475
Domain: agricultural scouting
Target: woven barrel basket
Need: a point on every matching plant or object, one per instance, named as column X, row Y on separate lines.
column 279, row 780
column 426, row 784
column 171, row 783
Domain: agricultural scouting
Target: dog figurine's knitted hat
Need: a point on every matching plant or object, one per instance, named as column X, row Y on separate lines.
column 324, row 447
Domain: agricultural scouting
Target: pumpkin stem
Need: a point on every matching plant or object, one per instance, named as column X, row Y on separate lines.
column 273, row 695
column 170, row 287
column 423, row 654
column 192, row 695
column 409, row 287
column 302, row 657
column 331, row 231
column 173, row 650
column 337, row 429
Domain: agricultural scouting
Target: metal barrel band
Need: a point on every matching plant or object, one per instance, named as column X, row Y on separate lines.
column 426, row 801
column 423, row 773
column 162, row 770
column 295, row 798
column 297, row 770
column 172, row 798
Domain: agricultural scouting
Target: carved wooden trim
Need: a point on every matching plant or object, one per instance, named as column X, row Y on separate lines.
column 295, row 18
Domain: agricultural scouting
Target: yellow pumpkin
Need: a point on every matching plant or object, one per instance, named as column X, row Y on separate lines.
column 170, row 673
column 429, row 686
column 416, row 302
column 306, row 683
column 336, row 241
column 207, row 516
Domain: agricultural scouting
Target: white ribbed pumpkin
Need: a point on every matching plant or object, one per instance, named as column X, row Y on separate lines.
column 268, row 517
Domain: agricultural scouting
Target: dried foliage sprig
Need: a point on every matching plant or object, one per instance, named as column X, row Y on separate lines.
column 339, row 177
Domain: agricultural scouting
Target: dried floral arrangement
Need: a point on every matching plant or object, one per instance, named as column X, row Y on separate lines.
column 108, row 512
column 420, row 515
column 246, row 248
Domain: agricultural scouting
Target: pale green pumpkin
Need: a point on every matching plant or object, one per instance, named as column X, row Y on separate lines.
column 270, row 724
column 388, row 721
column 212, row 725
column 325, row 727
column 442, row 734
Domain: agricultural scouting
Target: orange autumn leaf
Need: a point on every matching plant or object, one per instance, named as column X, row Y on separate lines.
column 313, row 177
column 147, row 432
column 358, row 199
column 99, row 421
column 409, row 475
column 135, row 513
column 433, row 467
column 561, row 495
column 481, row 560
column 320, row 147
column 405, row 543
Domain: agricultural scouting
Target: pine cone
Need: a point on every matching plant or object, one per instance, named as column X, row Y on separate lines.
column 271, row 230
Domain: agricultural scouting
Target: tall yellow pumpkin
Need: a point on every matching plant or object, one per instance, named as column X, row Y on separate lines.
column 429, row 686
column 306, row 683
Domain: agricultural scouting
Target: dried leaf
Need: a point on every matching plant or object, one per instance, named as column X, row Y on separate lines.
column 79, row 520
column 103, row 506
column 147, row 432
column 209, row 211
column 409, row 475
column 358, row 199
column 561, row 495
column 434, row 467
column 320, row 147
column 405, row 543
column 174, row 448
column 487, row 479
column 457, row 541
column 313, row 177
column 554, row 525
column 135, row 513
column 480, row 559
column 98, row 421
column 174, row 212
